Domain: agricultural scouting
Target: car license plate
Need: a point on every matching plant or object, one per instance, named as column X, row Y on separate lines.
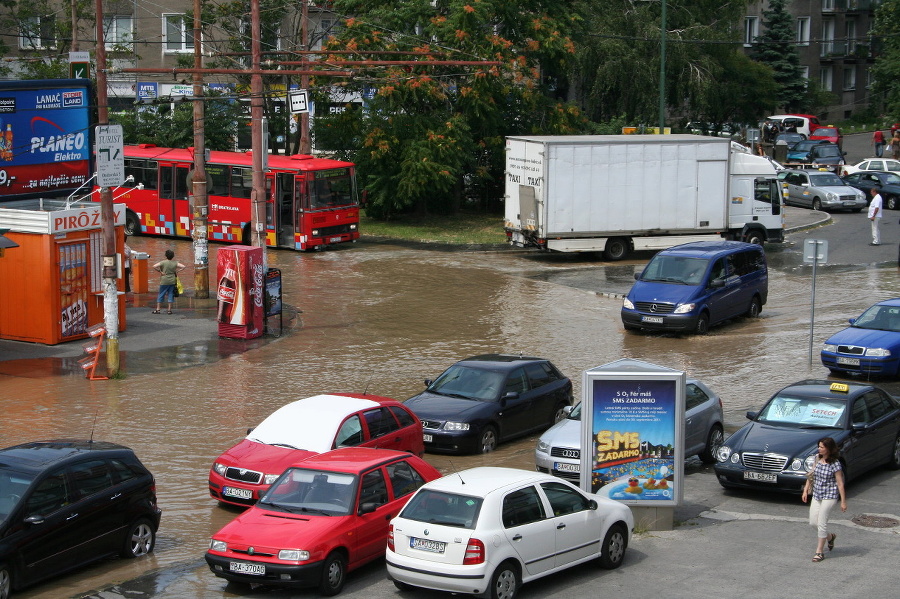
column 763, row 477
column 563, row 467
column 848, row 361
column 850, row 204
column 334, row 239
column 653, row 319
column 239, row 493
column 243, row 568
column 427, row 438
column 427, row 545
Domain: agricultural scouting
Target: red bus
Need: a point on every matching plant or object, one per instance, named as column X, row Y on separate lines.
column 310, row 202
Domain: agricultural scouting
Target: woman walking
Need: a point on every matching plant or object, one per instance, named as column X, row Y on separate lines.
column 169, row 270
column 825, row 486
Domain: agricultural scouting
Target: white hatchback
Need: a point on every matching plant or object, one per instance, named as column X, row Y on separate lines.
column 485, row 531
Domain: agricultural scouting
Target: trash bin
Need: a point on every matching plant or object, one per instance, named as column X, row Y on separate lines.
column 781, row 150
column 139, row 270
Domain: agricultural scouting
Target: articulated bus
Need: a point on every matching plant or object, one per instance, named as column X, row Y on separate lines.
column 310, row 202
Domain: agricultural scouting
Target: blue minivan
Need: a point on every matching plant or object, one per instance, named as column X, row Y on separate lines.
column 689, row 287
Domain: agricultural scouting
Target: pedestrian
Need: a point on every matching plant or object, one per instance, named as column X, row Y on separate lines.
column 169, row 270
column 824, row 487
column 126, row 259
column 875, row 215
column 878, row 141
column 895, row 144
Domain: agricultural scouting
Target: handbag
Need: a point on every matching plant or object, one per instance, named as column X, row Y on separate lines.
column 179, row 288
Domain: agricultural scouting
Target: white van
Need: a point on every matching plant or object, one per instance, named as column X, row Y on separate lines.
column 805, row 123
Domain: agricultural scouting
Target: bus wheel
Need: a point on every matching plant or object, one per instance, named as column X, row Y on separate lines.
column 132, row 224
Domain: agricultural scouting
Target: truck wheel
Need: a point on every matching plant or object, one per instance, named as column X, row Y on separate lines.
column 616, row 249
column 817, row 204
column 702, row 327
column 755, row 237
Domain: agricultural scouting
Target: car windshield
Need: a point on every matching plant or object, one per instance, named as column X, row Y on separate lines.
column 804, row 146
column 679, row 270
column 829, row 151
column 300, row 490
column 825, row 180
column 444, row 509
column 825, row 132
column 803, row 412
column 466, row 382
column 880, row 318
column 890, row 179
column 12, row 487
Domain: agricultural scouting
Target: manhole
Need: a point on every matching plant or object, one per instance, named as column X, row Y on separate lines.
column 875, row 521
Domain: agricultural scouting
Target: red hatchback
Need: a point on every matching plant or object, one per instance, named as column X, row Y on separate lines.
column 829, row 133
column 322, row 518
column 307, row 427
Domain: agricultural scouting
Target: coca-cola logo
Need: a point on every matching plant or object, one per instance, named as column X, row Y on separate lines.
column 257, row 290
column 226, row 294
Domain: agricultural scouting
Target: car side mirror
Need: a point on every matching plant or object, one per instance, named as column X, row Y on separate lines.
column 568, row 410
column 35, row 519
column 752, row 415
column 851, row 320
column 510, row 395
column 428, row 382
column 367, row 508
column 592, row 505
column 716, row 283
column 250, row 430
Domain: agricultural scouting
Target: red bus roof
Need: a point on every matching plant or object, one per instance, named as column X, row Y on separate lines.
column 296, row 162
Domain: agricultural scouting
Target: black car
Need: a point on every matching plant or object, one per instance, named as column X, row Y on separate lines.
column 777, row 448
column 480, row 401
column 887, row 183
column 66, row 503
column 824, row 154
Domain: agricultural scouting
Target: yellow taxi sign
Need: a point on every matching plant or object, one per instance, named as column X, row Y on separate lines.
column 840, row 387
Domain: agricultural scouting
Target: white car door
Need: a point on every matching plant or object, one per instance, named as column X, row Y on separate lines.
column 529, row 531
column 578, row 527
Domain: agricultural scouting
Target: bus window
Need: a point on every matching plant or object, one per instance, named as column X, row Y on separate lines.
column 173, row 182
column 331, row 188
column 143, row 171
column 241, row 182
column 217, row 175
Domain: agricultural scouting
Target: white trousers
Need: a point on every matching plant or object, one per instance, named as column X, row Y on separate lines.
column 818, row 514
column 876, row 232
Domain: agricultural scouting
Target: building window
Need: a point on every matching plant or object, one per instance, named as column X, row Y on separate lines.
column 851, row 37
column 802, row 31
column 751, row 30
column 827, row 5
column 827, row 37
column 118, row 32
column 850, row 78
column 177, row 35
column 38, row 33
column 804, row 71
column 825, row 76
column 324, row 29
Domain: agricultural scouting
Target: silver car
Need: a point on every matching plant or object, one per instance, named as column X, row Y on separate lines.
column 558, row 451
column 820, row 190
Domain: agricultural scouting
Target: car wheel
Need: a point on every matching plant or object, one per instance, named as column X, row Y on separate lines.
column 403, row 587
column 616, row 249
column 505, row 582
column 333, row 575
column 139, row 540
column 817, row 204
column 559, row 413
column 614, row 545
column 894, row 463
column 890, row 202
column 714, row 441
column 132, row 224
column 755, row 308
column 702, row 326
column 5, row 581
column 488, row 440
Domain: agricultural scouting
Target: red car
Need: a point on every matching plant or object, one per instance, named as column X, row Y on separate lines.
column 829, row 133
column 322, row 518
column 307, row 427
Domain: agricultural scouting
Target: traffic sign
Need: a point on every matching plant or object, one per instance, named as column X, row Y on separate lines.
column 815, row 251
column 108, row 146
column 299, row 101
column 80, row 65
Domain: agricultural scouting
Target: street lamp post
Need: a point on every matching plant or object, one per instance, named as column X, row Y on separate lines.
column 662, row 69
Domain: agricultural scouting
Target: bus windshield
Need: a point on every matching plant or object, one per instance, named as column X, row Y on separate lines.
column 330, row 188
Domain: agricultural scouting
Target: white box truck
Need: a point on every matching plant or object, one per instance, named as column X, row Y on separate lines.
column 618, row 193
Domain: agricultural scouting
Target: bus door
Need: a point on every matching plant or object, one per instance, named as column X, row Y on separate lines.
column 173, row 211
column 284, row 209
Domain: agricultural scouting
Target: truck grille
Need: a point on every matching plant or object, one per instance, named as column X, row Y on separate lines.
column 654, row 307
column 245, row 476
column 765, row 461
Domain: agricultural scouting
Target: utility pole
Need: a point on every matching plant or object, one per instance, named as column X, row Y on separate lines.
column 305, row 142
column 107, row 218
column 199, row 197
column 257, row 145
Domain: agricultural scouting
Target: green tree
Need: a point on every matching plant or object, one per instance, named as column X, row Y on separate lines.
column 886, row 70
column 776, row 48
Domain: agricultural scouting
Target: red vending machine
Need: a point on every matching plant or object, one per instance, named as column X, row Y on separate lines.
column 240, row 296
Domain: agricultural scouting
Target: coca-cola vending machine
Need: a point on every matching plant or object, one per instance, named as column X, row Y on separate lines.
column 240, row 295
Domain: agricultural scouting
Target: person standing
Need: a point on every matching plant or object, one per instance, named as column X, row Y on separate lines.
column 824, row 488
column 169, row 270
column 878, row 142
column 895, row 145
column 875, row 215
column 126, row 259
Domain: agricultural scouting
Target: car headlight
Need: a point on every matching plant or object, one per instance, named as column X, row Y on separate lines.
column 723, row 453
column 456, row 426
column 543, row 447
column 315, row 232
column 219, row 468
column 293, row 555
column 880, row 352
column 217, row 545
column 626, row 303
column 268, row 479
column 684, row 308
column 832, row 197
column 830, row 347
column 735, row 457
column 809, row 461
column 353, row 227
column 796, row 464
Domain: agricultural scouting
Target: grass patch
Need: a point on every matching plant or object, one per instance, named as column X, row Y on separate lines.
column 462, row 228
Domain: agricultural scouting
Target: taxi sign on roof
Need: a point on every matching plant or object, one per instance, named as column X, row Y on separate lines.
column 840, row 387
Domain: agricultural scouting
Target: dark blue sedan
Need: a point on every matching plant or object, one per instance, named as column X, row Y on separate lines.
column 776, row 449
column 870, row 345
column 483, row 400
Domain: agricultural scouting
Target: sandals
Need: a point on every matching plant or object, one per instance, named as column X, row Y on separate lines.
column 831, row 538
column 169, row 312
column 155, row 312
column 818, row 557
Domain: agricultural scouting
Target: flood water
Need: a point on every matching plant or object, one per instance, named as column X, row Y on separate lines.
column 381, row 318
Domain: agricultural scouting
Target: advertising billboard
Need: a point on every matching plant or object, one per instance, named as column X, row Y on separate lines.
column 45, row 137
column 633, row 425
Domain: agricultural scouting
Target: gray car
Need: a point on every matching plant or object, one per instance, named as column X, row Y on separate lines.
column 820, row 190
column 558, row 451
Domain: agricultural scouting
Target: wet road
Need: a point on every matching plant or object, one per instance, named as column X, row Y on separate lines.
column 382, row 318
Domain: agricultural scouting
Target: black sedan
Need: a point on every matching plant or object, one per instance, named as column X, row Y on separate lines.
column 483, row 400
column 777, row 448
column 887, row 183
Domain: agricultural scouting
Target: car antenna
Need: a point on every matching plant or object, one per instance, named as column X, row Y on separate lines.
column 94, row 425
column 456, row 472
column 366, row 390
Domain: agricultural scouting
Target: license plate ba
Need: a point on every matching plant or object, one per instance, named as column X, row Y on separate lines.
column 427, row 545
column 763, row 477
column 563, row 467
column 652, row 319
column 848, row 361
column 239, row 493
column 427, row 438
column 245, row 568
column 334, row 239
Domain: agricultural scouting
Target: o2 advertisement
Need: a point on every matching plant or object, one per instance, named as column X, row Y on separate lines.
column 45, row 137
column 634, row 427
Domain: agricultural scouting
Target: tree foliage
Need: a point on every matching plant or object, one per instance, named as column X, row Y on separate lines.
column 886, row 70
column 174, row 128
column 776, row 48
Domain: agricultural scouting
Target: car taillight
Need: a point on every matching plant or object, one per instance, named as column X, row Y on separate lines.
column 391, row 537
column 474, row 553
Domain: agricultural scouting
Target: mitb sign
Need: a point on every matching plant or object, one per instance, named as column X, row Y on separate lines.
column 299, row 101
column 108, row 144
